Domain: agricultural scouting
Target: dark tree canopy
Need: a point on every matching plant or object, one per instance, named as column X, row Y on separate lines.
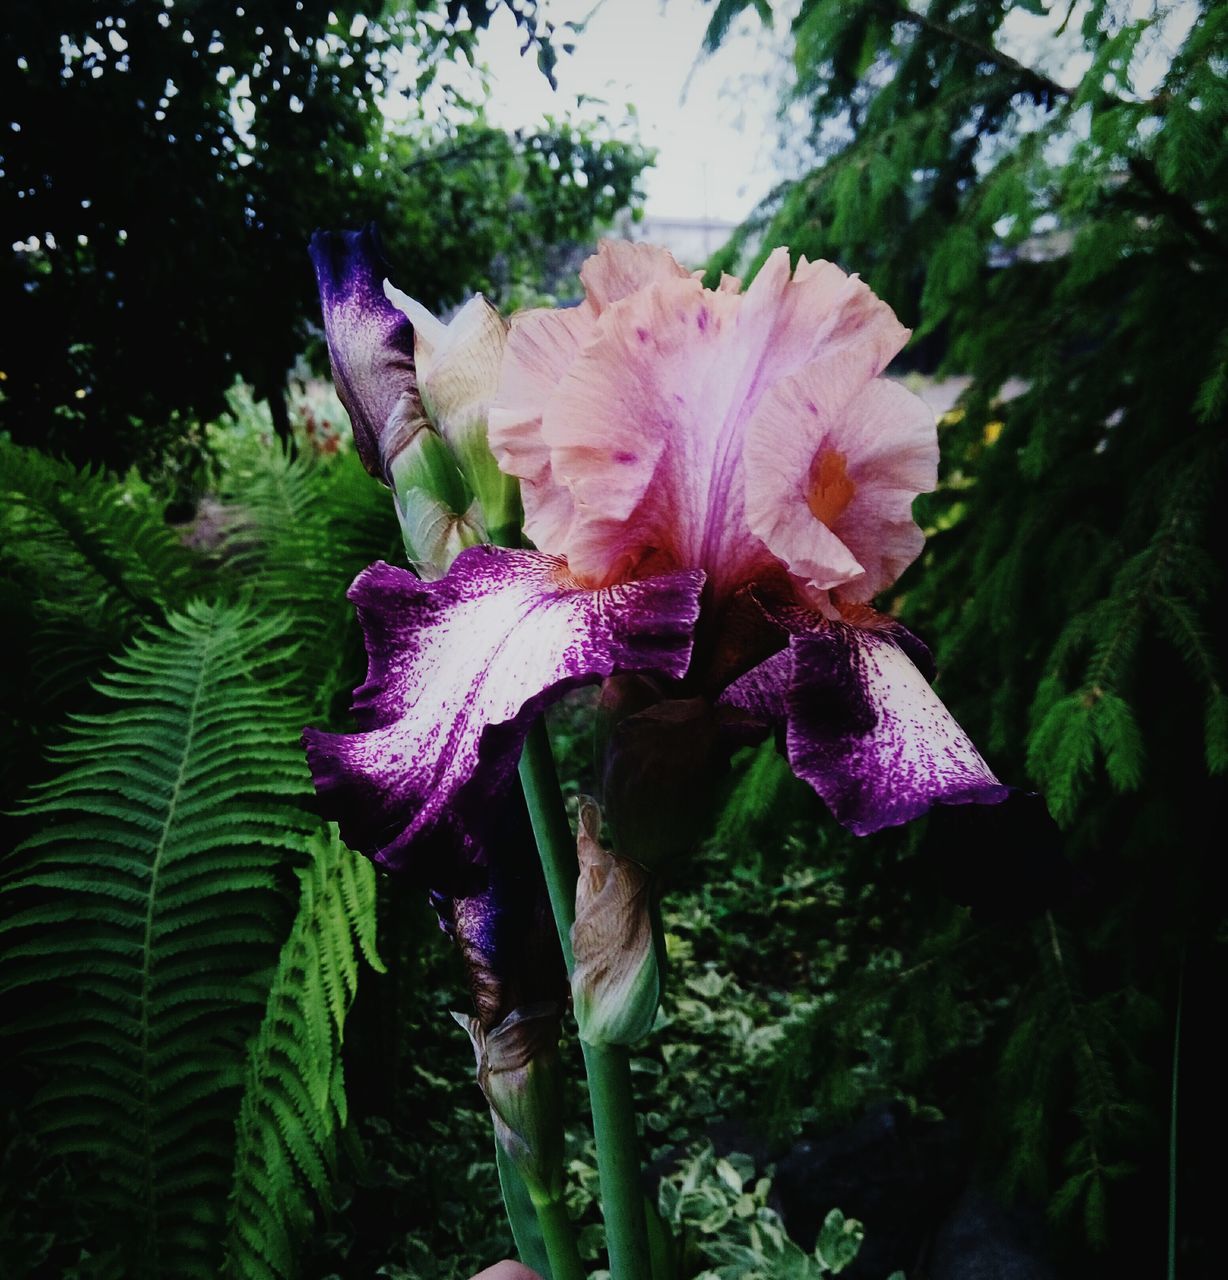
column 164, row 167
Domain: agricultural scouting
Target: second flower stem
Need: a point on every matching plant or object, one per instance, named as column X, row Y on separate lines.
column 555, row 843
column 618, row 1160
column 608, row 1066
column 559, row 1237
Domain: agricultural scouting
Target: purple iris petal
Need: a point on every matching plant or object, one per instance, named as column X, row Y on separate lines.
column 763, row 691
column 370, row 344
column 459, row 669
column 870, row 735
column 863, row 726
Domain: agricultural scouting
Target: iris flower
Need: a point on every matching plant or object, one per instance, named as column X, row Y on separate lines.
column 716, row 483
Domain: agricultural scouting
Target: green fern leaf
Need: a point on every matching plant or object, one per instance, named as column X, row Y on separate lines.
column 298, row 532
column 141, row 920
column 293, row 1106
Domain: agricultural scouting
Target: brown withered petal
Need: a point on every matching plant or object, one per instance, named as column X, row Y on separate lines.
column 519, row 1073
column 616, row 981
column 660, row 762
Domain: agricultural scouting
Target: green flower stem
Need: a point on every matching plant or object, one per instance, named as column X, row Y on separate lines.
column 618, row 1161
column 608, row 1066
column 552, row 831
column 1172, row 1128
column 560, row 1240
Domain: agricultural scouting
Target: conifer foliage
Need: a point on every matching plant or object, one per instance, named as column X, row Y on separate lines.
column 1041, row 190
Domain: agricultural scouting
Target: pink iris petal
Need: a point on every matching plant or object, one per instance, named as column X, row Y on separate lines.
column 646, row 429
column 458, row 670
column 863, row 726
column 885, row 444
column 619, row 268
column 542, row 346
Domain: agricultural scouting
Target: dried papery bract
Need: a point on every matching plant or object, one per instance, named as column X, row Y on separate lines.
column 616, row 982
column 519, row 1074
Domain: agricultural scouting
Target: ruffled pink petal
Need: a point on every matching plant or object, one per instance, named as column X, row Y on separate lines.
column 542, row 346
column 459, row 668
column 647, row 428
column 619, row 268
column 886, row 441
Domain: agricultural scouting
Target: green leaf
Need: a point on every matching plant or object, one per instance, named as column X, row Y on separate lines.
column 144, row 915
column 839, row 1241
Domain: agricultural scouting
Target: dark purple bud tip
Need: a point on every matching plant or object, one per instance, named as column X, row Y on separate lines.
column 370, row 343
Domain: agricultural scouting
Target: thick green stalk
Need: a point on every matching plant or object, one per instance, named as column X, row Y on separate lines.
column 560, row 1240
column 552, row 831
column 618, row 1160
column 1172, row 1129
column 608, row 1066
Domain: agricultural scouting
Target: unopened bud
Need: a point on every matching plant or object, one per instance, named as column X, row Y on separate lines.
column 660, row 760
column 616, row 981
column 519, row 1073
column 436, row 511
column 458, row 367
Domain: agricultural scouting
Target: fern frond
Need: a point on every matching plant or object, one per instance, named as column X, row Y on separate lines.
column 300, row 531
column 85, row 559
column 293, row 1105
column 87, row 533
column 140, row 921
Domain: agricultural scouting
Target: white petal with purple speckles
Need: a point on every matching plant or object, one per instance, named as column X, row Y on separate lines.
column 458, row 670
column 869, row 734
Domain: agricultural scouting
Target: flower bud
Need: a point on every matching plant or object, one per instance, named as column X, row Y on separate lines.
column 519, row 1073
column 660, row 761
column 436, row 511
column 371, row 347
column 616, row 981
column 458, row 371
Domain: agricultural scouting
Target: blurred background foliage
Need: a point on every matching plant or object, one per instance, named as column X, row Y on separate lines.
column 986, row 1047
column 165, row 164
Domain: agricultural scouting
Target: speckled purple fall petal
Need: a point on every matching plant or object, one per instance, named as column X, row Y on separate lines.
column 871, row 737
column 370, row 344
column 762, row 693
column 863, row 726
column 459, row 669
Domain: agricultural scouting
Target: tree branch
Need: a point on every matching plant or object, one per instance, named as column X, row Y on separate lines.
column 900, row 12
column 1182, row 212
